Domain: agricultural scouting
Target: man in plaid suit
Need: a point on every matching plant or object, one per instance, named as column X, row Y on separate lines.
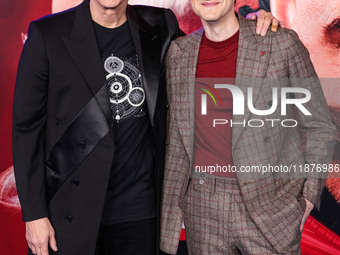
column 235, row 212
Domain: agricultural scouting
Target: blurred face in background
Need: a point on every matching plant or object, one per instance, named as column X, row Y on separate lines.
column 318, row 24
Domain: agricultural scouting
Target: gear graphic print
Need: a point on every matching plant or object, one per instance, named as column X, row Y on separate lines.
column 124, row 83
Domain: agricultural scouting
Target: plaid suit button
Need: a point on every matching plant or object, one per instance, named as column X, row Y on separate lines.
column 202, row 175
column 267, row 139
column 201, row 182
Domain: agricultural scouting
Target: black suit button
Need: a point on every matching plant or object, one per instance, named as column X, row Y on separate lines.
column 81, row 145
column 270, row 103
column 68, row 218
column 75, row 182
column 267, row 139
column 167, row 106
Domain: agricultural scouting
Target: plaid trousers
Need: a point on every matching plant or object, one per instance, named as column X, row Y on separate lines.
column 217, row 220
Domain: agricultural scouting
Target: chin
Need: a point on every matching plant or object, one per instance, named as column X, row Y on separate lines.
column 209, row 17
column 109, row 4
column 209, row 20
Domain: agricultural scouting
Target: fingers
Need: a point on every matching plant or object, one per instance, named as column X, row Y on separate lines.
column 309, row 208
column 282, row 24
column 53, row 242
column 34, row 251
column 303, row 221
column 264, row 20
column 266, row 24
column 261, row 15
column 275, row 24
column 40, row 234
column 39, row 247
column 251, row 16
column 43, row 249
column 301, row 227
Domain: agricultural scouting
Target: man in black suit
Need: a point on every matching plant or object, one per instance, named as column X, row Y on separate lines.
column 89, row 128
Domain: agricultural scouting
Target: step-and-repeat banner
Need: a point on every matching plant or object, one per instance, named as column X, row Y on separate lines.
column 316, row 21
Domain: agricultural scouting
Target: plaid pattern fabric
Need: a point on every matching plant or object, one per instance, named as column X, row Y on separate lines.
column 218, row 222
column 271, row 202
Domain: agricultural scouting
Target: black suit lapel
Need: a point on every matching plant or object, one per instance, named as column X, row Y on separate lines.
column 83, row 48
column 147, row 42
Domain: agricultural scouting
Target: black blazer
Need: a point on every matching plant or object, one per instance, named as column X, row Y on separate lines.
column 62, row 147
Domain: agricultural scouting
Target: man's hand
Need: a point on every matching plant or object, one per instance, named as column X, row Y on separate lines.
column 309, row 208
column 264, row 19
column 40, row 234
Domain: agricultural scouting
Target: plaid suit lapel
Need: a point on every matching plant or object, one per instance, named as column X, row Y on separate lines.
column 252, row 62
column 187, row 65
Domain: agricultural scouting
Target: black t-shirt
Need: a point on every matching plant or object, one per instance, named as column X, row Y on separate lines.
column 131, row 191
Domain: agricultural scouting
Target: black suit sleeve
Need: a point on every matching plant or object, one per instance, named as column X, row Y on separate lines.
column 29, row 118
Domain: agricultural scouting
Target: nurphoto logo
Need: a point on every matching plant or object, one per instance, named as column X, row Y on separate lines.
column 239, row 100
column 281, row 99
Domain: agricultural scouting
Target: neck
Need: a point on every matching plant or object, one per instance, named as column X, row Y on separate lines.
column 222, row 29
column 110, row 17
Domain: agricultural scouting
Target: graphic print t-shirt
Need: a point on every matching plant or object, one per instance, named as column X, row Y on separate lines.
column 131, row 191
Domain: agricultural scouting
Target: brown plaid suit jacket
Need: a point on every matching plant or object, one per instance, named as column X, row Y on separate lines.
column 270, row 201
